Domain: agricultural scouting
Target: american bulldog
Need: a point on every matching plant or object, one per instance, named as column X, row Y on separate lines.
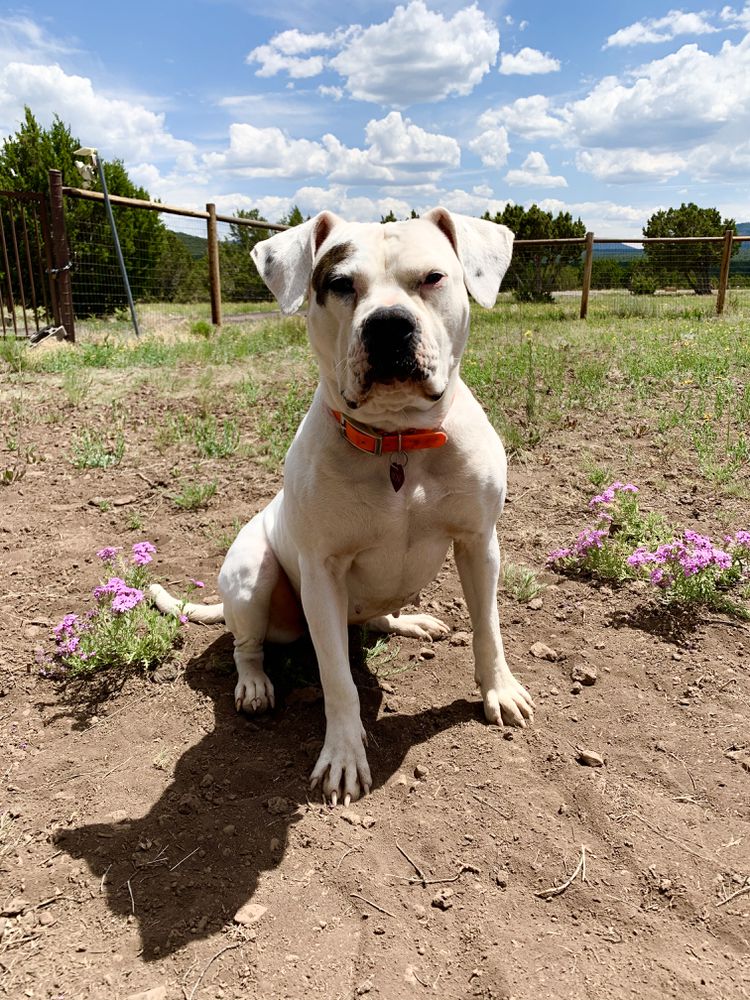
column 394, row 461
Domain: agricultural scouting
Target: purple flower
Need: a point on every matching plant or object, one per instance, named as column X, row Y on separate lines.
column 127, row 599
column 184, row 619
column 558, row 555
column 114, row 585
column 66, row 627
column 108, row 553
column 589, row 538
column 197, row 583
column 143, row 553
column 609, row 494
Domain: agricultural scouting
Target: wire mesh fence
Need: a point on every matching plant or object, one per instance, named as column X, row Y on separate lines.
column 26, row 297
column 189, row 270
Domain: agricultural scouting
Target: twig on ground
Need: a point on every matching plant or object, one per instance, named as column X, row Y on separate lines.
column 356, row 895
column 352, row 850
column 101, row 884
column 557, row 889
column 208, row 965
column 743, row 891
column 413, row 863
column 116, row 768
column 721, row 621
column 489, row 805
column 132, row 901
column 184, row 859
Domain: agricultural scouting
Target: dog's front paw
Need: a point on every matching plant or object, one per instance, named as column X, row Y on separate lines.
column 253, row 692
column 419, row 626
column 342, row 769
column 508, row 704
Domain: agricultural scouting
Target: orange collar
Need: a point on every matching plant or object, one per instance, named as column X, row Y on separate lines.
column 377, row 442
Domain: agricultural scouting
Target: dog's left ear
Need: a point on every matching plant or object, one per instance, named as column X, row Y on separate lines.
column 285, row 261
column 484, row 249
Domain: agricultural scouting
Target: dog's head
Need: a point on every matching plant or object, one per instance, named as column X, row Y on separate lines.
column 388, row 307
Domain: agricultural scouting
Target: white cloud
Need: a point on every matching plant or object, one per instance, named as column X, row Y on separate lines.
column 23, row 40
column 528, row 62
column 289, row 52
column 629, row 166
column 534, row 172
column 115, row 126
column 688, row 95
column 396, row 141
column 396, row 150
column 418, row 56
column 604, row 218
column 530, row 117
column 661, row 29
column 492, row 147
column 736, row 18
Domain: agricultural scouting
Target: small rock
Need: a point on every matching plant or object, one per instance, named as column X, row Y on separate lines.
column 363, row 988
column 543, row 652
column 420, row 771
column 368, row 821
column 155, row 993
column 576, row 687
column 501, row 879
column 443, row 901
column 535, row 604
column 229, row 829
column 589, row 758
column 165, row 674
column 17, row 905
column 350, row 816
column 387, row 687
column 207, row 779
column 399, row 778
column 606, row 592
column 46, row 919
column 277, row 805
column 249, row 913
column 583, row 672
column 563, row 809
column 31, row 632
column 426, row 653
column 460, row 639
column 275, row 845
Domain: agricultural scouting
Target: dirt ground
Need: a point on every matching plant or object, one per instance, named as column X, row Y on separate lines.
column 140, row 814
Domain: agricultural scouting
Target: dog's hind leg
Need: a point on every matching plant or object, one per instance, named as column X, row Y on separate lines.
column 419, row 626
column 259, row 604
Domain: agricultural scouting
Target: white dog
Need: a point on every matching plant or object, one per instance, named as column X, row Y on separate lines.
column 394, row 461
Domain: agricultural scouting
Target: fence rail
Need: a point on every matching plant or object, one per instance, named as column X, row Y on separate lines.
column 192, row 266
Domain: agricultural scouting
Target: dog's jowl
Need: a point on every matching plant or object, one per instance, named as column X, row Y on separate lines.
column 394, row 461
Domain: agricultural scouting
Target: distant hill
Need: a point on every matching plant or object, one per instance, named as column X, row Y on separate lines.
column 197, row 246
column 743, row 228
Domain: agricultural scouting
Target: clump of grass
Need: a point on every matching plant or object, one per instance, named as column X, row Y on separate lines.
column 76, row 384
column 123, row 629
column 222, row 538
column 92, row 450
column 278, row 425
column 214, row 441
column 520, row 582
column 201, row 328
column 194, row 496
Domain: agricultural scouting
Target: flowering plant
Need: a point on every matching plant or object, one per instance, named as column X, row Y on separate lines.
column 122, row 629
column 626, row 544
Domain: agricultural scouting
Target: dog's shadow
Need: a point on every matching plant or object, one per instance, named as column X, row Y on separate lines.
column 184, row 869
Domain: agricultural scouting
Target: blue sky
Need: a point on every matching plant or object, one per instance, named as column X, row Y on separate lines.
column 610, row 111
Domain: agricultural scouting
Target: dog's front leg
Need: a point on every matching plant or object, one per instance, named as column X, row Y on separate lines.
column 342, row 765
column 505, row 700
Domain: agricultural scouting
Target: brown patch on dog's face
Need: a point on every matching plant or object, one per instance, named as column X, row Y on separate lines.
column 321, row 276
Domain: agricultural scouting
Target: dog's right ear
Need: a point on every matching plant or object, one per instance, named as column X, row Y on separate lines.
column 285, row 261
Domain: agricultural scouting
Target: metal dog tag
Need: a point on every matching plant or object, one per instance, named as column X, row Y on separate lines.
column 397, row 475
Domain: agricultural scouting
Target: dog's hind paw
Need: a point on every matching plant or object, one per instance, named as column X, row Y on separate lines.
column 253, row 692
column 425, row 627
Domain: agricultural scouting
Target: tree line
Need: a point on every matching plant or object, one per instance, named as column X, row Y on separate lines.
column 168, row 266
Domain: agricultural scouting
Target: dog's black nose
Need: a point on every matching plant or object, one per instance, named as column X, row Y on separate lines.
column 389, row 336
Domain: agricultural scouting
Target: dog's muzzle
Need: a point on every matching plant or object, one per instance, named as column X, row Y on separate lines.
column 391, row 337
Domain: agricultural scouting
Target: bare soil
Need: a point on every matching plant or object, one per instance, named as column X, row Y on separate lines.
column 139, row 814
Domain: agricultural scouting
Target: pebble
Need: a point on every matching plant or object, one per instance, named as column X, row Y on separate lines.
column 31, row 632
column 165, row 674
column 420, row 771
column 589, row 758
column 277, row 805
column 583, row 672
column 535, row 604
column 576, row 687
column 460, row 639
column 426, row 653
column 443, row 901
column 543, row 652
column 249, row 913
column 17, row 905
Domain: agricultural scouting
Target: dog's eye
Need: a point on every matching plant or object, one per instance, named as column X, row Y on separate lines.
column 433, row 278
column 341, row 286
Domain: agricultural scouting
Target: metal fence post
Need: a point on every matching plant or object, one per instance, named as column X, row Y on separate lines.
column 726, row 256
column 214, row 273
column 61, row 263
column 588, row 264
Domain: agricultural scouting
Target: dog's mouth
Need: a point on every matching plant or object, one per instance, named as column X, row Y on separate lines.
column 392, row 359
